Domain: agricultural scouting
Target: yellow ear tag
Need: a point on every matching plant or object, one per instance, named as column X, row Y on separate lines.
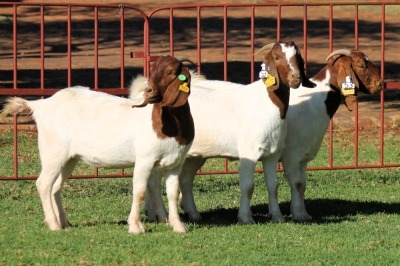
column 184, row 87
column 346, row 91
column 348, row 87
column 270, row 81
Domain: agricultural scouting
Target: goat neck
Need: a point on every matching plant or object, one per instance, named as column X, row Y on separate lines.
column 171, row 117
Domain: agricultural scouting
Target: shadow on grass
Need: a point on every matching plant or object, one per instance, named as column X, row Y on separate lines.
column 323, row 211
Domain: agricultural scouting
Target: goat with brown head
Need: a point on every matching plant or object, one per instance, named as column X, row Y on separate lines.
column 351, row 67
column 311, row 110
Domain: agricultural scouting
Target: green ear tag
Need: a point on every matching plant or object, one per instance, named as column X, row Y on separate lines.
column 182, row 77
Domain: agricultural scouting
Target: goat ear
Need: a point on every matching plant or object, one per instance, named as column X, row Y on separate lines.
column 272, row 70
column 175, row 95
column 344, row 71
column 351, row 102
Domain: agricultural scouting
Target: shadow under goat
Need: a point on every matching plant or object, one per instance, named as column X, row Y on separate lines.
column 77, row 124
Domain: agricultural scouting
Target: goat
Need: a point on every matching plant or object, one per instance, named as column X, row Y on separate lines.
column 308, row 116
column 78, row 124
column 310, row 111
column 242, row 122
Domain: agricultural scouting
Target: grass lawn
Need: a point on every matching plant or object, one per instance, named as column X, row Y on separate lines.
column 356, row 221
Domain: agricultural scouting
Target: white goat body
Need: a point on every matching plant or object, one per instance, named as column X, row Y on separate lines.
column 105, row 131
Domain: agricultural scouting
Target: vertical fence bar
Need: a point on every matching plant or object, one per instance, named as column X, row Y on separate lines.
column 252, row 15
column 305, row 35
column 171, row 31
column 96, row 48
column 330, row 163
column 198, row 39
column 226, row 165
column 146, row 47
column 96, row 60
column 42, row 47
column 15, row 47
column 356, row 135
column 122, row 45
column 69, row 56
column 15, row 72
column 225, row 42
column 278, row 23
column 382, row 113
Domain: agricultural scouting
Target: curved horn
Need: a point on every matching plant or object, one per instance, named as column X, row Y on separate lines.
column 339, row 52
column 185, row 59
column 266, row 47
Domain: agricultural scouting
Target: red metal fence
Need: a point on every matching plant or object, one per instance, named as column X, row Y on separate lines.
column 46, row 47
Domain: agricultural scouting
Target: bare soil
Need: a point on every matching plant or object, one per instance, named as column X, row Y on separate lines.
column 239, row 65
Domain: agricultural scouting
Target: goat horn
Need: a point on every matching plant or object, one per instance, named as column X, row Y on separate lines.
column 185, row 59
column 339, row 52
column 266, row 47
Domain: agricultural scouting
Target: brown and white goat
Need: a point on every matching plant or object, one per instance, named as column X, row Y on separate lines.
column 77, row 124
column 310, row 111
column 245, row 122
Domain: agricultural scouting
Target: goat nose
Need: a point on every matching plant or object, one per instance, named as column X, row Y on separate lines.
column 148, row 90
column 296, row 75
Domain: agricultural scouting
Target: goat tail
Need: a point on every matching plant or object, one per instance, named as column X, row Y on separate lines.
column 16, row 105
column 137, row 87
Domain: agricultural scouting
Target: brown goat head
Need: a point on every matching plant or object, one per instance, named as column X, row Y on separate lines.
column 284, row 69
column 285, row 62
column 168, row 83
column 364, row 74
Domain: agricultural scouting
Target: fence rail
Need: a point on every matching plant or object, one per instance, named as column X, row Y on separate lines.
column 46, row 47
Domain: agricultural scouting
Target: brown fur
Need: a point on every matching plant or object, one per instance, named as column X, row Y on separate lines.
column 279, row 93
column 364, row 73
column 171, row 116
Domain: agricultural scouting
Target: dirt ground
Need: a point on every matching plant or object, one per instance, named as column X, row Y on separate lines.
column 238, row 34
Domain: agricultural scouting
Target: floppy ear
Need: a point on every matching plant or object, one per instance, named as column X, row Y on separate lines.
column 273, row 71
column 178, row 91
column 344, row 71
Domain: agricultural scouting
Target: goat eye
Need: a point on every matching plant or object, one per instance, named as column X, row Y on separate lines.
column 361, row 66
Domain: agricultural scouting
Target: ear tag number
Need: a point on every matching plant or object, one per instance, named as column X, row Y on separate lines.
column 348, row 87
column 263, row 73
column 270, row 81
column 184, row 87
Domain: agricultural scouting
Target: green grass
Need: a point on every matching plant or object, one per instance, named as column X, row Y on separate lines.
column 356, row 220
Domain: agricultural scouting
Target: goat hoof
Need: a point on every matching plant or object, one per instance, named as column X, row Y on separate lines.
column 194, row 217
column 179, row 228
column 53, row 226
column 136, row 229
column 246, row 220
column 277, row 218
column 301, row 217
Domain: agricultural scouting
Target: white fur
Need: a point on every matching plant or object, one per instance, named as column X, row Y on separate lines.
column 104, row 131
column 307, row 112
